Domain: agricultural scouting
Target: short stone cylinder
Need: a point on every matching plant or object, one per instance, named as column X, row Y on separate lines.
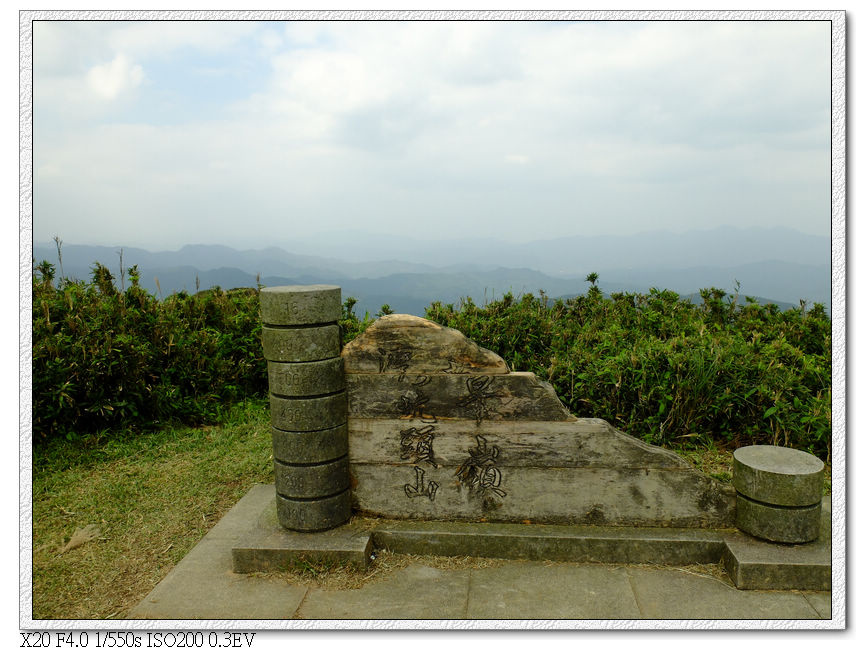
column 778, row 475
column 779, row 492
column 306, row 379
column 293, row 344
column 308, row 413
column 310, row 446
column 308, row 407
column 311, row 515
column 790, row 525
column 313, row 304
column 311, row 481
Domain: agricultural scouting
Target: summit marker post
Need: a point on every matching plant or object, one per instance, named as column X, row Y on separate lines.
column 308, row 408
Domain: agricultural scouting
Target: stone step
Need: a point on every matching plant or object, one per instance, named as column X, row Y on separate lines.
column 751, row 563
column 756, row 564
column 619, row 545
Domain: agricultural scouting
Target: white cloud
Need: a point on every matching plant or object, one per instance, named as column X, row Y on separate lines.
column 114, row 78
column 161, row 39
column 460, row 125
column 517, row 159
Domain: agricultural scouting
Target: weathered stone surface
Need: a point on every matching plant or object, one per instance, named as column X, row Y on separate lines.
column 314, row 515
column 403, row 344
column 579, row 442
column 415, row 592
column 300, row 343
column 480, row 490
column 267, row 546
column 439, row 429
column 311, row 481
column 282, row 550
column 305, row 379
column 535, row 590
column 679, row 595
column 821, row 602
column 778, row 475
column 793, row 525
column 517, row 395
column 608, row 544
column 308, row 413
column 310, row 446
column 756, row 564
column 301, row 304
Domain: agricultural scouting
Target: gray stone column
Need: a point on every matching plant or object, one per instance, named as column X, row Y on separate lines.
column 778, row 493
column 308, row 408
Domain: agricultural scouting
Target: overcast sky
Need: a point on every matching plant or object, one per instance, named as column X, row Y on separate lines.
column 159, row 134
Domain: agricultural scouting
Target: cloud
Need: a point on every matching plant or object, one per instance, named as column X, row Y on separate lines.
column 463, row 126
column 516, row 159
column 111, row 79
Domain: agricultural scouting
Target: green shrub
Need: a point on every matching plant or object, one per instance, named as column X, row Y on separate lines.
column 104, row 359
column 662, row 369
column 668, row 371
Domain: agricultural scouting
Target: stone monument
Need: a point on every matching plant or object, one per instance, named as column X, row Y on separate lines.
column 440, row 428
column 441, row 448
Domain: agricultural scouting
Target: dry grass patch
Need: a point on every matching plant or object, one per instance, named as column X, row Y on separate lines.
column 718, row 463
column 152, row 500
column 714, row 571
column 334, row 577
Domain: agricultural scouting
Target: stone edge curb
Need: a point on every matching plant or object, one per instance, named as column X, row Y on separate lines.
column 262, row 550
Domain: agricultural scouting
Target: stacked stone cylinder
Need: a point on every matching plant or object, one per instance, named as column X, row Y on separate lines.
column 778, row 493
column 308, row 408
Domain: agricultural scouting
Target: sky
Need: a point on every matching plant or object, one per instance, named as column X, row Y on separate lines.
column 160, row 134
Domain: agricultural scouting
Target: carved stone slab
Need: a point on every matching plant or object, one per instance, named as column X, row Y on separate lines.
column 439, row 429
column 561, row 495
column 403, row 344
column 517, row 395
column 583, row 442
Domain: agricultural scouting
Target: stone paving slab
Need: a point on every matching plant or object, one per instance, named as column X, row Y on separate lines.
column 537, row 590
column 203, row 585
column 415, row 592
column 821, row 601
column 756, row 564
column 672, row 594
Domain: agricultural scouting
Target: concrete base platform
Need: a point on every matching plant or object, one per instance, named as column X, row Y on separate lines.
column 268, row 546
column 751, row 563
column 757, row 564
column 209, row 582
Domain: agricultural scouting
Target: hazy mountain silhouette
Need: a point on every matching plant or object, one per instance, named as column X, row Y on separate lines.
column 778, row 265
column 723, row 246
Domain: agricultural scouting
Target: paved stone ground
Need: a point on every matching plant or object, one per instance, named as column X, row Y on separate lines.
column 203, row 586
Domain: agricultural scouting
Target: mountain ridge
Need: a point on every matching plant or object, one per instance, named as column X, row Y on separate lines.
column 783, row 274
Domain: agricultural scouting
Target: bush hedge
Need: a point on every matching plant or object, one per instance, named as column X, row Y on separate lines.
column 666, row 370
column 105, row 359
column 660, row 368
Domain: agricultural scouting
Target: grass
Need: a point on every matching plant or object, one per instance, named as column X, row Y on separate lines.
column 718, row 463
column 154, row 495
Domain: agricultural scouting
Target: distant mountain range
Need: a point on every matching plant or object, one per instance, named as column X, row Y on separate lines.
column 724, row 246
column 778, row 265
